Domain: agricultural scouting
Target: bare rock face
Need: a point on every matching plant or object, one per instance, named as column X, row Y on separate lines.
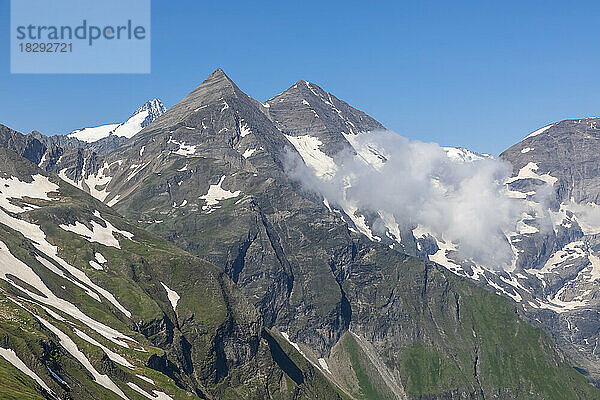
column 217, row 140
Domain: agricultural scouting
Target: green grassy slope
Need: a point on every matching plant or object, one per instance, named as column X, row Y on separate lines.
column 452, row 337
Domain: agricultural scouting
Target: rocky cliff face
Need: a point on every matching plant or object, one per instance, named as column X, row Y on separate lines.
column 554, row 273
column 568, row 150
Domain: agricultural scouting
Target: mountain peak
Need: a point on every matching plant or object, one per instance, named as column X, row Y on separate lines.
column 218, row 73
column 141, row 118
column 154, row 107
column 217, row 88
column 303, row 90
column 218, row 80
column 306, row 106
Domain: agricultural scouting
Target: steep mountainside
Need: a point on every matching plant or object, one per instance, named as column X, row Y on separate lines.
column 210, row 176
column 555, row 271
column 92, row 307
column 564, row 259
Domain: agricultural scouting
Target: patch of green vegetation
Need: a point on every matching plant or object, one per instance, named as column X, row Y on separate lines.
column 15, row 385
column 455, row 337
column 21, row 332
column 517, row 356
column 367, row 389
column 133, row 274
column 427, row 370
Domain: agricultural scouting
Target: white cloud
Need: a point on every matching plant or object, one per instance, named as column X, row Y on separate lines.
column 464, row 202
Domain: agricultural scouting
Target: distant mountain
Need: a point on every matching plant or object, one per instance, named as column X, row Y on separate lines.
column 464, row 155
column 138, row 120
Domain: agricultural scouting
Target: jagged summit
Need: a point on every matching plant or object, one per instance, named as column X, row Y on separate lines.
column 141, row 118
column 216, row 120
column 154, row 106
column 144, row 115
column 301, row 87
column 218, row 74
column 321, row 107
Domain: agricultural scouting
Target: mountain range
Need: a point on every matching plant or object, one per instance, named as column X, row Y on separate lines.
column 196, row 258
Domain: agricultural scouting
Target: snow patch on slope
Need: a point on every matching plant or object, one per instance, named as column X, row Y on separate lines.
column 528, row 172
column 100, row 258
column 98, row 233
column 119, row 359
column 248, row 153
column 10, row 356
column 183, row 149
column 308, row 147
column 68, row 344
column 38, row 237
column 216, row 193
column 13, row 188
column 172, row 295
column 91, row 183
column 12, row 266
column 244, row 129
column 539, row 131
column 156, row 396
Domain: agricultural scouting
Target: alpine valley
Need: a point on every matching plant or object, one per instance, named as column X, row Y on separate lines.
column 178, row 255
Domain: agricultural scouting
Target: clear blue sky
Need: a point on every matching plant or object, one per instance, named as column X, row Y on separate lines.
column 471, row 73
